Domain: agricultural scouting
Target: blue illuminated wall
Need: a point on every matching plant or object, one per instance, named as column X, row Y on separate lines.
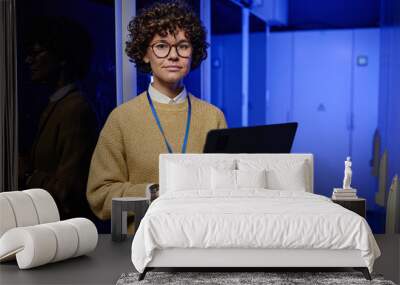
column 389, row 99
column 314, row 79
column 389, row 91
column 257, row 78
column 226, row 76
column 318, row 79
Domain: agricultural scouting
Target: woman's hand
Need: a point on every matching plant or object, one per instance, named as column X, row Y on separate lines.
column 154, row 192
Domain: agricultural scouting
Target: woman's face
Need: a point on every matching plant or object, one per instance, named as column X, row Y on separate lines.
column 170, row 57
column 42, row 64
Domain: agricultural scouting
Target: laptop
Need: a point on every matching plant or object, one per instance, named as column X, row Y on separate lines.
column 277, row 138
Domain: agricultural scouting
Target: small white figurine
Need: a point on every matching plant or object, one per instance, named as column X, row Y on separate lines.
column 347, row 174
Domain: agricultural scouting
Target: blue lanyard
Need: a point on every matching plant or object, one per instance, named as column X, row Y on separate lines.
column 189, row 116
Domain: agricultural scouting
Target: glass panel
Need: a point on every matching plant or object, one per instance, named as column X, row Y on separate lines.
column 226, row 62
column 66, row 89
column 257, row 71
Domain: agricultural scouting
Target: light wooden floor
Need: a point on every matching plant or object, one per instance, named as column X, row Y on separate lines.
column 389, row 262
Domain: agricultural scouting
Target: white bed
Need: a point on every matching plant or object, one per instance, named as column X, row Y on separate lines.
column 201, row 220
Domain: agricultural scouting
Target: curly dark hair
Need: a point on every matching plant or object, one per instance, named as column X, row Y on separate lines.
column 67, row 39
column 165, row 18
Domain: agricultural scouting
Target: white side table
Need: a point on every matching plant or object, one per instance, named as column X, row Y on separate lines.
column 119, row 214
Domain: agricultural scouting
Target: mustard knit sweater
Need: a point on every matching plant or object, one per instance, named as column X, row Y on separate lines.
column 125, row 159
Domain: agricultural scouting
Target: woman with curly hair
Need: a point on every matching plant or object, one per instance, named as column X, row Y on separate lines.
column 167, row 40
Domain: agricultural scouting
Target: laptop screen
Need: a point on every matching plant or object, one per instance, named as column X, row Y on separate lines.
column 277, row 138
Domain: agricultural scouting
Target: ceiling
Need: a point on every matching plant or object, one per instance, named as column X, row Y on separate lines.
column 303, row 15
column 333, row 14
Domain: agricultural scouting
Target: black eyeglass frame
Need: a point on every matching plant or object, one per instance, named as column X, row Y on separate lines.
column 35, row 52
column 170, row 48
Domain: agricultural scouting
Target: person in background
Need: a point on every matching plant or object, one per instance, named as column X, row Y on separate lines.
column 58, row 57
column 166, row 40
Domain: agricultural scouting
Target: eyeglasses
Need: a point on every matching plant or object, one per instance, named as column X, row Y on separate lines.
column 162, row 49
column 33, row 52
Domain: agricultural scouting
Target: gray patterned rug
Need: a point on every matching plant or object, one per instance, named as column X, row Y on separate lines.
column 230, row 278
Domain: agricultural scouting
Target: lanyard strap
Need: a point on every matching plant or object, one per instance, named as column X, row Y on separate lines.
column 189, row 116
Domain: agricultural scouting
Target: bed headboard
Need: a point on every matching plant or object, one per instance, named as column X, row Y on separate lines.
column 204, row 158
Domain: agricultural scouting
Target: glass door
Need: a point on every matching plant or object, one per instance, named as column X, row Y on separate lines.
column 66, row 90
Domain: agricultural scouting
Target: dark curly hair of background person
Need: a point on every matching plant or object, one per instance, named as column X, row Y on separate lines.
column 163, row 18
column 65, row 38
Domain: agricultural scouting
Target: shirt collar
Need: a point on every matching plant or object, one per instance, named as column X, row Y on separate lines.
column 164, row 99
column 60, row 93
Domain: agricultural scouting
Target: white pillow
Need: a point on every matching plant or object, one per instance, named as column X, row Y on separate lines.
column 281, row 174
column 190, row 175
column 292, row 179
column 223, row 179
column 251, row 178
column 237, row 179
column 187, row 177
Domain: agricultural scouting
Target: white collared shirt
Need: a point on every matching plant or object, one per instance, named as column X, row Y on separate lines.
column 60, row 93
column 159, row 97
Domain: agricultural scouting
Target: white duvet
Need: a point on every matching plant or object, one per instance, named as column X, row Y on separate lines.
column 250, row 219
